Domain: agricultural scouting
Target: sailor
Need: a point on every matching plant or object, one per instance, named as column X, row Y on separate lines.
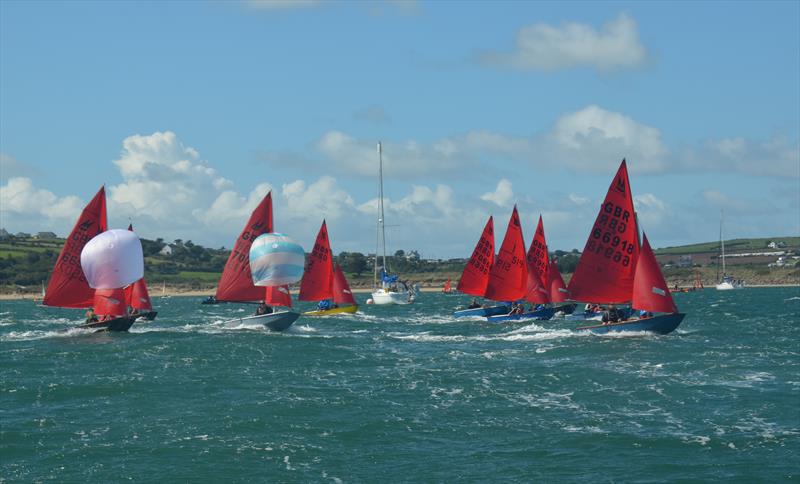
column 91, row 317
column 263, row 309
column 474, row 304
column 324, row 305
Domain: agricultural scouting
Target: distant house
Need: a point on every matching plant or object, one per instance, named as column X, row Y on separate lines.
column 4, row 234
column 685, row 261
column 776, row 245
column 166, row 250
column 23, row 235
column 45, row 235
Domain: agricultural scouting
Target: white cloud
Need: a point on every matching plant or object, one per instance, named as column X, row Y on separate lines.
column 775, row 157
column 502, row 195
column 409, row 159
column 281, row 4
column 321, row 199
column 545, row 47
column 594, row 139
column 22, row 206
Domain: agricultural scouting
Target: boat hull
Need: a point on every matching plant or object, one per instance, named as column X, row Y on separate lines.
column 483, row 312
column 328, row 312
column 661, row 324
column 382, row 297
column 117, row 324
column 146, row 316
column 727, row 286
column 541, row 315
column 273, row 321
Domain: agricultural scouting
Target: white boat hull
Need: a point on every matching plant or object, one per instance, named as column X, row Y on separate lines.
column 383, row 297
column 277, row 321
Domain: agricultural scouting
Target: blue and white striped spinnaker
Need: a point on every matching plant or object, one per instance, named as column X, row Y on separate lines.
column 275, row 260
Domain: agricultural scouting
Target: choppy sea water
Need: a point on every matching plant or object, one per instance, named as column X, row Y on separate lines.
column 403, row 394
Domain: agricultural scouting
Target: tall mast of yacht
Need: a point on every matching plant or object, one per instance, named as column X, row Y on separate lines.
column 380, row 191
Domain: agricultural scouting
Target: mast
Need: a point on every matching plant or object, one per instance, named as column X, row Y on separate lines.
column 722, row 244
column 381, row 224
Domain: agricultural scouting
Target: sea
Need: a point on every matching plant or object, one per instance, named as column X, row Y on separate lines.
column 403, row 394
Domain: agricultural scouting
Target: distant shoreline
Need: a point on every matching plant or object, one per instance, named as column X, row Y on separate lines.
column 358, row 290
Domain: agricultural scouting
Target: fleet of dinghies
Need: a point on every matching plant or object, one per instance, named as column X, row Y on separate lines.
column 104, row 270
column 614, row 270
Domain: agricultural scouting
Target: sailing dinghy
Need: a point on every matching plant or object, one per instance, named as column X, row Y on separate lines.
column 614, row 270
column 321, row 282
column 475, row 277
column 68, row 286
column 237, row 281
column 531, row 270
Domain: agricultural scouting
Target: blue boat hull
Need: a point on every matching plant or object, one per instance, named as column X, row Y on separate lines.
column 541, row 315
column 662, row 324
column 492, row 311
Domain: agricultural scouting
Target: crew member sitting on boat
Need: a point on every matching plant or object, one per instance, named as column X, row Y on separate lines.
column 474, row 304
column 326, row 304
column 611, row 315
column 517, row 308
column 644, row 314
column 263, row 309
column 91, row 317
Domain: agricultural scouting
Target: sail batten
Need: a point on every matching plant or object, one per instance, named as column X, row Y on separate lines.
column 606, row 268
column 475, row 278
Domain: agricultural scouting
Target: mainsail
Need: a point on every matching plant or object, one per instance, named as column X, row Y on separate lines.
column 236, row 283
column 508, row 277
column 538, row 268
column 475, row 277
column 68, row 287
column 317, row 283
column 606, row 268
column 650, row 291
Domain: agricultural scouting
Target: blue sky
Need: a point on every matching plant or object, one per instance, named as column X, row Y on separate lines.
column 189, row 112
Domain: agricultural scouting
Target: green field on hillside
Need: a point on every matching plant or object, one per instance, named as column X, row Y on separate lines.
column 734, row 245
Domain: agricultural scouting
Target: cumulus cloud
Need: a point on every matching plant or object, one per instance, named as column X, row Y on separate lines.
column 11, row 167
column 547, row 48
column 22, row 206
column 400, row 160
column 774, row 157
column 281, row 4
column 321, row 199
column 502, row 195
column 594, row 139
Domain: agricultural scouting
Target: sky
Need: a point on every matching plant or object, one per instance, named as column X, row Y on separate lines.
column 189, row 112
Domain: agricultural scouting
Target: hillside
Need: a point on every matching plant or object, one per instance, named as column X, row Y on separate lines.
column 26, row 263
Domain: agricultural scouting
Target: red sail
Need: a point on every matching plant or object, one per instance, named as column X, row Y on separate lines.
column 136, row 295
column 508, row 278
column 68, row 287
column 236, row 283
column 475, row 277
column 538, row 268
column 341, row 290
column 605, row 270
column 317, row 283
column 277, row 296
column 558, row 290
column 110, row 302
column 650, row 291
